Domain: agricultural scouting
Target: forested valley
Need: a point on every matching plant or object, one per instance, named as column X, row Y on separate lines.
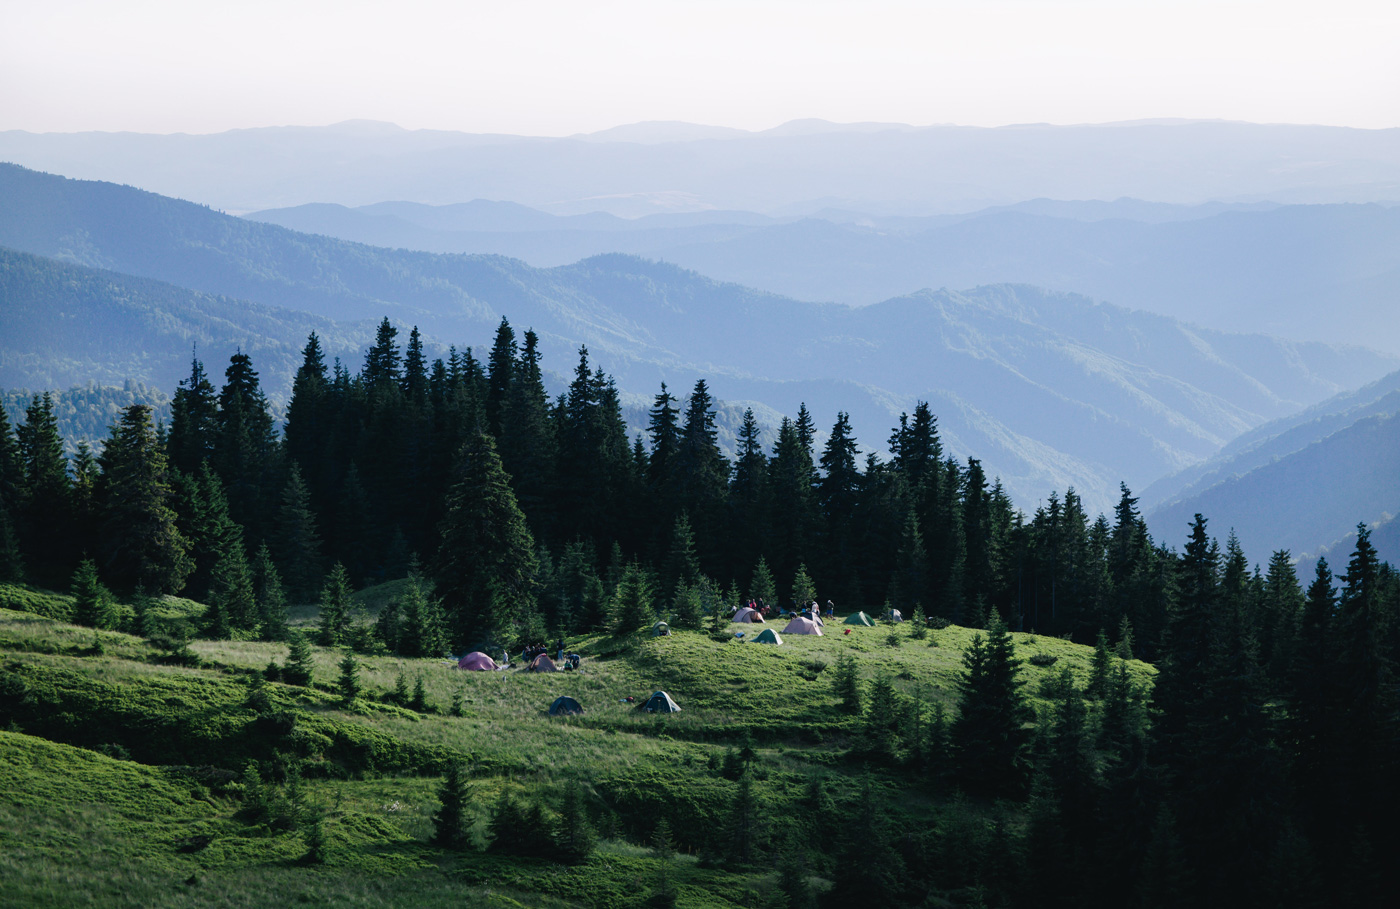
column 1214, row 731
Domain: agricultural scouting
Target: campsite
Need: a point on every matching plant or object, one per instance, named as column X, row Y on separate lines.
column 371, row 770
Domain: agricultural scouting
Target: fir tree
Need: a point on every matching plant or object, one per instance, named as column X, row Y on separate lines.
column 245, row 448
column 500, row 367
column 742, row 830
column 1099, row 668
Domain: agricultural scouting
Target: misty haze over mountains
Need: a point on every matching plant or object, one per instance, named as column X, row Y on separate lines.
column 1050, row 390
column 798, row 168
column 1121, row 336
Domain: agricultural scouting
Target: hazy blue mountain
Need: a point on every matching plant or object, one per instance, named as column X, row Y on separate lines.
column 1051, row 389
column 1319, row 272
column 794, row 169
column 63, row 325
column 1279, row 438
column 1305, row 500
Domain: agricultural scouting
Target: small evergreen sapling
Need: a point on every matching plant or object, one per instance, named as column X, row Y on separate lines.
column 300, row 665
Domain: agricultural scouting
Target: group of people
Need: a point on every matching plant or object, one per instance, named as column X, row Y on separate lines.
column 809, row 610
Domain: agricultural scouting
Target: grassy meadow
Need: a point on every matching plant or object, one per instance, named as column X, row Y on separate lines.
column 123, row 782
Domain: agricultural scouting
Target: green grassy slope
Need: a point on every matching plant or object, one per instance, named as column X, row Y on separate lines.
column 120, row 775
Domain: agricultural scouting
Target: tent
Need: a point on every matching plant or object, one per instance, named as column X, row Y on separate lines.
column 543, row 663
column 802, row 625
column 767, row 636
column 660, row 702
column 859, row 618
column 565, row 706
column 660, row 629
column 748, row 615
column 477, row 661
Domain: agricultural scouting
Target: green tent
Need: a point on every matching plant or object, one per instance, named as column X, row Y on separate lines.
column 767, row 636
column 859, row 618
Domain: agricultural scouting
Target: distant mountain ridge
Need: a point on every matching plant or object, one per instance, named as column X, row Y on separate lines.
column 794, row 169
column 1049, row 389
column 1317, row 272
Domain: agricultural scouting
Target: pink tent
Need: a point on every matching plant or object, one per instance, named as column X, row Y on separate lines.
column 800, row 625
column 748, row 615
column 476, row 660
column 543, row 663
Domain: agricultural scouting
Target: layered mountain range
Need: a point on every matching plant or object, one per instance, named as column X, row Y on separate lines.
column 1049, row 389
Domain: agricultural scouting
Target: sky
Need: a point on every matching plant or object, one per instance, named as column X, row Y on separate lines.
column 559, row 68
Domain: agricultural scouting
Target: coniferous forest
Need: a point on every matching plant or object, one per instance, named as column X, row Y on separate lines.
column 1234, row 738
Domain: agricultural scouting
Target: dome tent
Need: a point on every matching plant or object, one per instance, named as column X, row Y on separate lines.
column 565, row 706
column 543, row 663
column 660, row 629
column 767, row 636
column 660, row 702
column 860, row 618
column 477, row 662
column 801, row 625
column 748, row 615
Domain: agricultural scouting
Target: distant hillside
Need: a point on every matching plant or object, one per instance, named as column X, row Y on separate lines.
column 1050, row 389
column 1238, row 268
column 1305, row 500
column 87, row 412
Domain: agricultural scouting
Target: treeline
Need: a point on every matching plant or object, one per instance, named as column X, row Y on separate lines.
column 1261, row 770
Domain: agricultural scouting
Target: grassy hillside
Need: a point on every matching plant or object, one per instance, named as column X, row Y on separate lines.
column 124, row 778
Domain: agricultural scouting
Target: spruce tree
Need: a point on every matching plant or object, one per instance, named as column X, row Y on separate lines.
column 92, row 603
column 485, row 565
column 349, row 683
column 526, row 440
column 140, row 541
column 270, row 598
column 500, row 368
column 309, row 426
column 335, row 607
column 245, row 449
column 989, row 734
column 803, row 590
column 451, row 825
column 762, row 586
column 46, row 496
column 300, row 666
column 194, row 415
column 296, row 539
column 742, row 829
column 682, row 567
column 575, row 839
column 232, row 603
column 631, row 606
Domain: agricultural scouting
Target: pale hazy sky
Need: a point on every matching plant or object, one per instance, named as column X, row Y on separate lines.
column 556, row 68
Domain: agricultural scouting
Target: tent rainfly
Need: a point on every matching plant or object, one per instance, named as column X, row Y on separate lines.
column 748, row 615
column 543, row 663
column 565, row 706
column 767, row 636
column 660, row 702
column 477, row 662
column 800, row 625
column 859, row 618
